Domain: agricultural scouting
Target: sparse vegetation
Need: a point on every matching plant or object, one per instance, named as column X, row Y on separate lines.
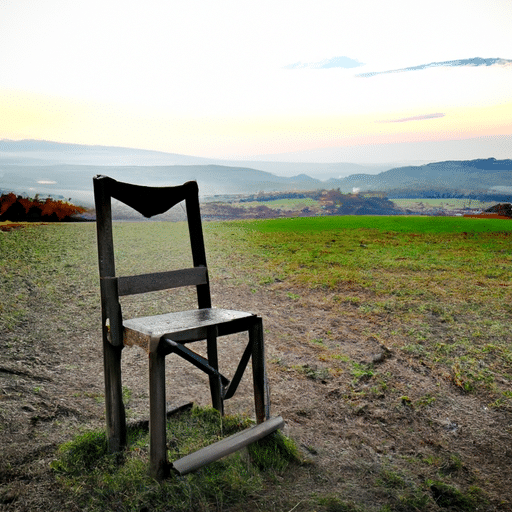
column 102, row 481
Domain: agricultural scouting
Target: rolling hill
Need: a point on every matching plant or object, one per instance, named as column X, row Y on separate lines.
column 66, row 171
column 458, row 177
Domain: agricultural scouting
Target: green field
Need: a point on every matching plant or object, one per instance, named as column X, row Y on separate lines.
column 422, row 270
column 455, row 225
column 447, row 203
column 284, row 204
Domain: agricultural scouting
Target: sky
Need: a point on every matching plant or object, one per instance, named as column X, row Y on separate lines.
column 245, row 80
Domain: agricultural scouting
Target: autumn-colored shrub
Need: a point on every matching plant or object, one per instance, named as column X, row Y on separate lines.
column 18, row 208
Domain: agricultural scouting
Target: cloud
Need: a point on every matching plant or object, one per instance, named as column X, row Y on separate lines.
column 334, row 62
column 476, row 61
column 415, row 118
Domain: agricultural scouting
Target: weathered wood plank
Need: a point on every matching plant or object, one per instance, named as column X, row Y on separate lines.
column 115, row 413
column 169, row 346
column 215, row 384
column 184, row 326
column 229, row 445
column 230, row 391
column 261, row 393
column 157, row 417
column 131, row 285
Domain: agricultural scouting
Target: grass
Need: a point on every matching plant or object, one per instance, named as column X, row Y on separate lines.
column 419, row 270
column 285, row 204
column 447, row 203
column 47, row 262
column 399, row 224
column 103, row 481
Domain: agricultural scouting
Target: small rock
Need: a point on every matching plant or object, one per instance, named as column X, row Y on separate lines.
column 378, row 358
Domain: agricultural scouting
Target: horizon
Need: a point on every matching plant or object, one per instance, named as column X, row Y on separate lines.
column 272, row 82
column 446, row 151
column 59, row 170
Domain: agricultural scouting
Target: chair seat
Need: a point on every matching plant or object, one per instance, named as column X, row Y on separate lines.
column 184, row 326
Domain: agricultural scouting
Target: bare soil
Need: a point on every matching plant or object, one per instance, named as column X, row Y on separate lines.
column 350, row 428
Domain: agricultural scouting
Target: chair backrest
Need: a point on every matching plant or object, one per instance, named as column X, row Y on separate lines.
column 148, row 201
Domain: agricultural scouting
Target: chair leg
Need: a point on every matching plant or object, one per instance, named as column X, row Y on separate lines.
column 213, row 360
column 261, row 394
column 157, row 417
column 115, row 414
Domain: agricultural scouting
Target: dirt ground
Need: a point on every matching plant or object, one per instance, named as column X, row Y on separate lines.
column 51, row 382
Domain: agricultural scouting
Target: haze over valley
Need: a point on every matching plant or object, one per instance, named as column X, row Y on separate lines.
column 66, row 170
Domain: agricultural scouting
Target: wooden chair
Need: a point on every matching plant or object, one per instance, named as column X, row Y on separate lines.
column 162, row 335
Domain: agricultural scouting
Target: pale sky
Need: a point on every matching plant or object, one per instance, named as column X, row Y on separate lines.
column 238, row 79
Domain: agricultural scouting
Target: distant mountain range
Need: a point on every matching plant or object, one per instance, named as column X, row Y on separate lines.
column 35, row 152
column 464, row 177
column 66, row 170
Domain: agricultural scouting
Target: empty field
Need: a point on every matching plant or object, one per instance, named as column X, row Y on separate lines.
column 389, row 350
